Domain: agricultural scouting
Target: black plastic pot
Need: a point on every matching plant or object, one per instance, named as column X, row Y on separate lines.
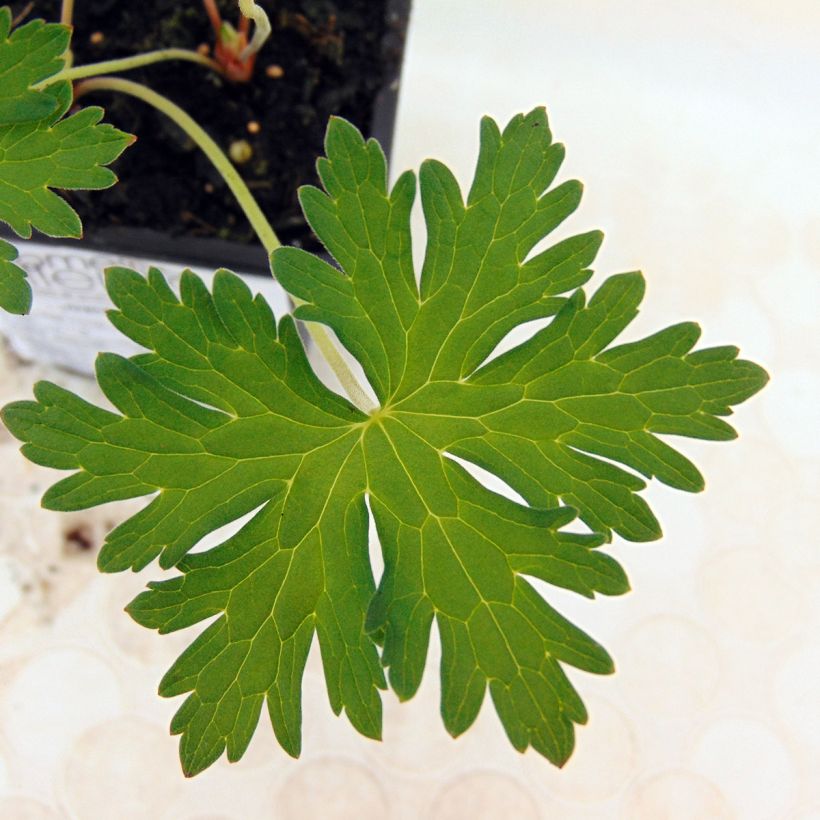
column 67, row 326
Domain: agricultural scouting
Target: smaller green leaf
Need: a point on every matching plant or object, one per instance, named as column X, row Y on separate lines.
column 15, row 291
column 40, row 155
column 40, row 148
column 28, row 55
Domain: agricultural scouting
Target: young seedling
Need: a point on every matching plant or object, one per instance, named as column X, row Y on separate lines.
column 222, row 416
column 234, row 52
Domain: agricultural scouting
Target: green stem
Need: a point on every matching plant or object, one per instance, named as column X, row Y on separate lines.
column 195, row 131
column 128, row 63
column 246, row 200
column 350, row 384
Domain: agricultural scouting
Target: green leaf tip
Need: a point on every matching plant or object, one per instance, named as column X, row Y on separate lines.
column 222, row 418
column 29, row 54
column 15, row 291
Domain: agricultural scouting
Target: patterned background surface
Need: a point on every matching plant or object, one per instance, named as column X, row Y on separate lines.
column 696, row 127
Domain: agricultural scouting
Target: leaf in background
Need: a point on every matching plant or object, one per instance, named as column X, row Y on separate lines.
column 39, row 155
column 40, row 148
column 223, row 416
column 15, row 291
column 28, row 55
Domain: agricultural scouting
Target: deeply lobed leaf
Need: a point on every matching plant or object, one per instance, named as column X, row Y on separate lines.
column 223, row 416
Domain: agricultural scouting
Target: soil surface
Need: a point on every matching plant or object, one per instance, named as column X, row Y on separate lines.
column 323, row 58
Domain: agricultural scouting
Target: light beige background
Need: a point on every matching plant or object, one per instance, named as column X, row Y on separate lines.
column 696, row 128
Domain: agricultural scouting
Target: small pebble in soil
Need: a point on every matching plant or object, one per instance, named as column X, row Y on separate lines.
column 96, row 38
column 208, row 187
column 275, row 72
column 253, row 127
column 240, row 151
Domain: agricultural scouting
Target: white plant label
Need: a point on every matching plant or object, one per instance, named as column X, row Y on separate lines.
column 68, row 326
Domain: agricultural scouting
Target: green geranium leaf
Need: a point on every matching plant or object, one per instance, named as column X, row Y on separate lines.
column 223, row 417
column 40, row 148
column 28, row 55
column 15, row 291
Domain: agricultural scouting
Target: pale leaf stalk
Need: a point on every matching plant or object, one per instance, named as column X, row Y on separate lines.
column 67, row 19
column 261, row 28
column 130, row 63
column 67, row 12
column 247, row 202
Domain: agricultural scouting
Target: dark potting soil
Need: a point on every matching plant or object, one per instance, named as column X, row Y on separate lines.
column 322, row 58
